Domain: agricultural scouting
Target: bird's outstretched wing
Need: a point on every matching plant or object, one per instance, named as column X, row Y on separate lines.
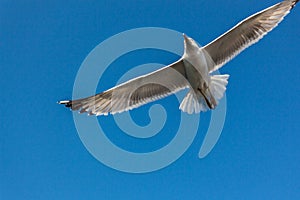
column 246, row 33
column 135, row 92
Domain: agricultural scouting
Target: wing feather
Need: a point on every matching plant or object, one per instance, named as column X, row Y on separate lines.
column 246, row 33
column 135, row 92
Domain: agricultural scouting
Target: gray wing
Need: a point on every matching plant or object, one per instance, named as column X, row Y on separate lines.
column 135, row 92
column 246, row 33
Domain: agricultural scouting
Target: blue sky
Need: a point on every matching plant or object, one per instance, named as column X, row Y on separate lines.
column 42, row 45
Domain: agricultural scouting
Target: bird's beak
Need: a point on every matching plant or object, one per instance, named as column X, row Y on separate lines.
column 184, row 36
column 186, row 40
column 189, row 41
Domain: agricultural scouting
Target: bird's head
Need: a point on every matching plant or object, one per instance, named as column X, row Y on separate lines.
column 190, row 46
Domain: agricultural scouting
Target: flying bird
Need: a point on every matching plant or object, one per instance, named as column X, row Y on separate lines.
column 193, row 70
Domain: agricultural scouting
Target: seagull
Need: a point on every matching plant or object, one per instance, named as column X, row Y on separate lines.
column 193, row 70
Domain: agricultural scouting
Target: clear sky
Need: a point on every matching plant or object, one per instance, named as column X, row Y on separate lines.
column 42, row 45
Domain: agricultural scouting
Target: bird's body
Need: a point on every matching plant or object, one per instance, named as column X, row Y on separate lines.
column 193, row 70
column 196, row 64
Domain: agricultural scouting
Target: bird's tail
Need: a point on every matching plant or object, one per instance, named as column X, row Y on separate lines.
column 218, row 85
column 196, row 102
column 190, row 103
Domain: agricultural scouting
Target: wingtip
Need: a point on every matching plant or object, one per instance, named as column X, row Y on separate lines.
column 294, row 2
column 67, row 103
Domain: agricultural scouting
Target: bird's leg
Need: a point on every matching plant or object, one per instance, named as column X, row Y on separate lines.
column 208, row 97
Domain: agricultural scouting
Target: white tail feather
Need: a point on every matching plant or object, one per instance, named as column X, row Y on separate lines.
column 195, row 103
column 218, row 85
column 192, row 103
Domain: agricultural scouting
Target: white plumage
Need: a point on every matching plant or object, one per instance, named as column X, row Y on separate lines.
column 193, row 70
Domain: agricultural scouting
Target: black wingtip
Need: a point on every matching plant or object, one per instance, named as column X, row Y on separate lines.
column 294, row 3
column 67, row 103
